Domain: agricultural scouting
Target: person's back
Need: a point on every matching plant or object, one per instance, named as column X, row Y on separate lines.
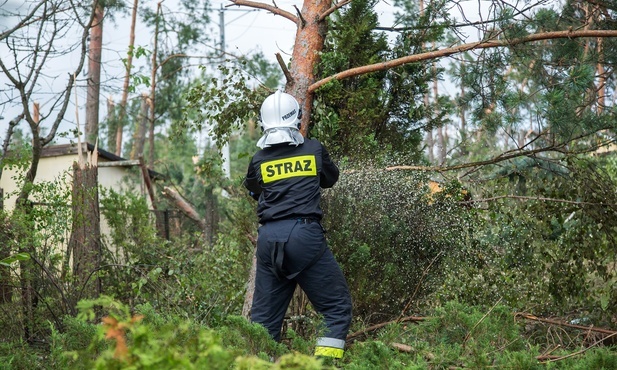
column 286, row 177
column 289, row 179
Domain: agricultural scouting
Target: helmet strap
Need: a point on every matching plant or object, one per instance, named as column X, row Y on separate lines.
column 299, row 117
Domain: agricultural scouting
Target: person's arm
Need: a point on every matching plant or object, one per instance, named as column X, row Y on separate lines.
column 329, row 171
column 251, row 182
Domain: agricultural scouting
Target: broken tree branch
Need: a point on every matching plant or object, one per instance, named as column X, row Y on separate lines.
column 553, row 358
column 522, row 197
column 417, row 319
column 371, row 328
column 478, row 323
column 402, row 347
column 271, row 8
column 565, row 324
column 486, row 44
column 288, row 78
column 147, row 181
column 302, row 20
column 184, row 206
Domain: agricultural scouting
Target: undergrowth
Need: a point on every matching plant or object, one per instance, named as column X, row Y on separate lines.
column 109, row 335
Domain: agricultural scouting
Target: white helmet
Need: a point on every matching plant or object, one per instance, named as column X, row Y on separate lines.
column 280, row 110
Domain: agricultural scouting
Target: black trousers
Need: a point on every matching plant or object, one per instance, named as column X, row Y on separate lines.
column 307, row 261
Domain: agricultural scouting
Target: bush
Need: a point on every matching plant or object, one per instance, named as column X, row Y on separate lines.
column 390, row 236
column 550, row 257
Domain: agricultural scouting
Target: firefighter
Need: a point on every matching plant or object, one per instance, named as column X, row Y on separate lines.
column 285, row 177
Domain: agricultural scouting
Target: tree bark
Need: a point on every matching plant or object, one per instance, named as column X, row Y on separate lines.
column 153, row 89
column 127, row 78
column 94, row 74
column 250, row 288
column 211, row 215
column 7, row 140
column 139, row 137
column 601, row 76
column 430, row 142
column 308, row 45
column 84, row 243
column 112, row 125
column 6, row 290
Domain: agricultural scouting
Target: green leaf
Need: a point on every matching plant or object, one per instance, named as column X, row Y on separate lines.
column 14, row 258
column 604, row 300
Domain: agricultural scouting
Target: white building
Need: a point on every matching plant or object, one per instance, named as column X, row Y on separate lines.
column 58, row 159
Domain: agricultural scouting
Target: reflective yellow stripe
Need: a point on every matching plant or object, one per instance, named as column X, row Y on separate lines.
column 329, row 352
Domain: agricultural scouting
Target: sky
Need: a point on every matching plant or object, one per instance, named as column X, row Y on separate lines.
column 246, row 31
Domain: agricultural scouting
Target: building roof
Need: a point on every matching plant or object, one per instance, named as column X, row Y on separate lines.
column 68, row 149
column 71, row 149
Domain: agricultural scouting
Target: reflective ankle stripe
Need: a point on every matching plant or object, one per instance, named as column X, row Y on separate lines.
column 330, row 347
column 329, row 352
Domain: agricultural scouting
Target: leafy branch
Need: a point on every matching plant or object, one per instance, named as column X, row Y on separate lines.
column 436, row 54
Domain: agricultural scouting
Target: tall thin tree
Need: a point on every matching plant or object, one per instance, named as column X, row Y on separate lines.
column 127, row 79
column 94, row 73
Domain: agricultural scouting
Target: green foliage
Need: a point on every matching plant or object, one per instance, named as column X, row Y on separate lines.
column 401, row 247
column 32, row 238
column 18, row 355
column 369, row 114
column 137, row 79
column 459, row 336
column 544, row 256
column 203, row 281
column 226, row 104
column 366, row 355
column 526, row 91
column 17, row 158
column 8, row 261
column 133, row 344
column 452, row 335
column 149, row 341
column 252, row 338
column 132, row 235
column 262, row 70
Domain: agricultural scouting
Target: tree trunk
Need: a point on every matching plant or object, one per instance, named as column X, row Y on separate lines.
column 6, row 290
column 84, row 243
column 153, row 89
column 308, row 45
column 139, row 138
column 250, row 288
column 430, row 143
column 7, row 141
column 211, row 216
column 601, row 77
column 127, row 78
column 463, row 131
column 112, row 125
column 441, row 146
column 94, row 75
column 23, row 206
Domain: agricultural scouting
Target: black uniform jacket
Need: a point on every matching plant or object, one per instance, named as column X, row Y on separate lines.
column 287, row 180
